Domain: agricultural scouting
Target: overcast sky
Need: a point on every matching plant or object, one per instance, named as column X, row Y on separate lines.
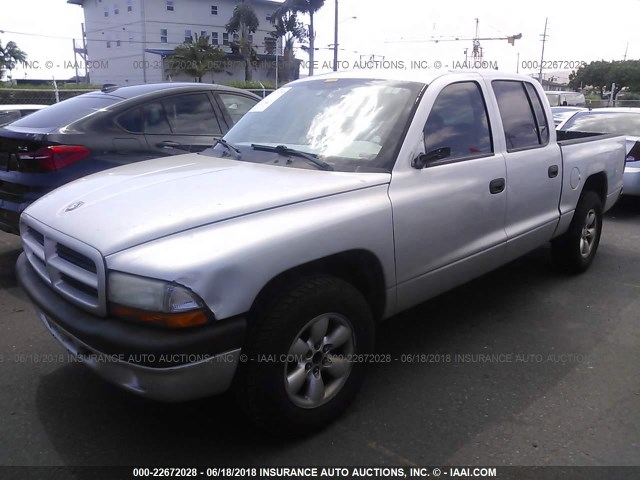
column 387, row 28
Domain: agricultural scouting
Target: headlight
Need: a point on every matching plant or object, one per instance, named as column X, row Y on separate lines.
column 154, row 301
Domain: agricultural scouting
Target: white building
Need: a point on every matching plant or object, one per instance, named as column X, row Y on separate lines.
column 127, row 39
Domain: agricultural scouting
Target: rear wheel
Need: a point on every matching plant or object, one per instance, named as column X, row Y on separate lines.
column 299, row 372
column 575, row 250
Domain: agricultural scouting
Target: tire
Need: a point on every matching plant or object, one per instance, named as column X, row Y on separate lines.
column 317, row 325
column 574, row 250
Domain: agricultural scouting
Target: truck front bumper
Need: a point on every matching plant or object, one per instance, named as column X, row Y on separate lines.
column 170, row 365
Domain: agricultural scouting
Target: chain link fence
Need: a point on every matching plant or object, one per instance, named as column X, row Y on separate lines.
column 617, row 103
column 23, row 96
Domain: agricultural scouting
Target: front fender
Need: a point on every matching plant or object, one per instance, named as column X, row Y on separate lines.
column 229, row 262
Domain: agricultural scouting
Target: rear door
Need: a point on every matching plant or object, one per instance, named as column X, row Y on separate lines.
column 534, row 166
column 181, row 123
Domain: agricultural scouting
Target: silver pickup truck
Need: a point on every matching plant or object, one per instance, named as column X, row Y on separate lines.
column 264, row 263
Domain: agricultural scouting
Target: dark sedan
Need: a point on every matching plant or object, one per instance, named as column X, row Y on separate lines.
column 103, row 129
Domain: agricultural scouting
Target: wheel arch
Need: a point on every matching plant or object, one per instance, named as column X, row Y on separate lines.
column 597, row 183
column 360, row 268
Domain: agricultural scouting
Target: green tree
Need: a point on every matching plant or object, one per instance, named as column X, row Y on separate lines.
column 10, row 56
column 309, row 7
column 244, row 22
column 602, row 74
column 288, row 28
column 196, row 58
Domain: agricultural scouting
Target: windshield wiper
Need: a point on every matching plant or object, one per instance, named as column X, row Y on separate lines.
column 229, row 147
column 292, row 152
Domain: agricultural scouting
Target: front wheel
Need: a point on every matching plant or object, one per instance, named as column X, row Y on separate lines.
column 300, row 372
column 575, row 250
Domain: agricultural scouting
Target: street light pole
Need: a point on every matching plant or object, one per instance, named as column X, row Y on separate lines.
column 335, row 41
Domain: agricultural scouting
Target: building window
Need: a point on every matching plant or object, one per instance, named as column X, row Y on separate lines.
column 214, row 38
column 214, row 9
column 203, row 33
column 250, row 38
column 106, row 11
column 225, row 39
column 268, row 18
column 163, row 35
column 169, row 5
column 108, row 43
column 236, row 37
column 129, row 5
column 187, row 36
column 116, row 9
column 118, row 43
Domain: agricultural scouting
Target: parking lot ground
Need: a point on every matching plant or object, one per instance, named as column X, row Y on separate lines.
column 523, row 366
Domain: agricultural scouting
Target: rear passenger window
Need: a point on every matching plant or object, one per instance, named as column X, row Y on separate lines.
column 155, row 120
column 520, row 127
column 192, row 115
column 458, row 123
column 541, row 118
column 131, row 121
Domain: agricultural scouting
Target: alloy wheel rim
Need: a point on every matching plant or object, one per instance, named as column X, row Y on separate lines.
column 588, row 235
column 318, row 362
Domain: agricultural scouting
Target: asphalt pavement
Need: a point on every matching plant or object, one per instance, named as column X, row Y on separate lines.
column 523, row 366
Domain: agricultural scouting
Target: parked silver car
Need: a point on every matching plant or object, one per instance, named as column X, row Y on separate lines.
column 11, row 113
column 560, row 114
column 618, row 121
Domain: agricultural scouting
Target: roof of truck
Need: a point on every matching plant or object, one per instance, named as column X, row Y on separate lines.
column 426, row 76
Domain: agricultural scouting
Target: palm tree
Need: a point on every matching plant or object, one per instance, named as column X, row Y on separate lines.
column 10, row 56
column 289, row 28
column 244, row 21
column 196, row 58
column 304, row 6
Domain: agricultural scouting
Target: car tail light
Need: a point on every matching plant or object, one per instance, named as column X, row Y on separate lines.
column 53, row 157
column 634, row 153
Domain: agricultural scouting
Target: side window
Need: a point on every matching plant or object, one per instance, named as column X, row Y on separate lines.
column 155, row 119
column 191, row 115
column 236, row 105
column 519, row 123
column 131, row 121
column 458, row 123
column 541, row 119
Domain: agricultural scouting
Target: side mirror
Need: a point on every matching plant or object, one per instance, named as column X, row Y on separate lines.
column 425, row 159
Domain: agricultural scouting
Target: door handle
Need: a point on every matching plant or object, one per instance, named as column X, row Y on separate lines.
column 553, row 171
column 167, row 144
column 497, row 185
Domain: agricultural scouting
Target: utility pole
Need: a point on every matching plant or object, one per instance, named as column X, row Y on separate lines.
column 86, row 54
column 75, row 59
column 544, row 40
column 335, row 41
column 144, row 43
column 625, row 52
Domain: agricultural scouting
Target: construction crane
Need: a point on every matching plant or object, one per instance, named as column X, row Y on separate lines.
column 476, row 50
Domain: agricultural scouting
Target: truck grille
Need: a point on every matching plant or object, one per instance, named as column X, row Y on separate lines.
column 73, row 269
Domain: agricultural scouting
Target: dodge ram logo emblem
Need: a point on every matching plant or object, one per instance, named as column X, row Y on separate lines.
column 73, row 206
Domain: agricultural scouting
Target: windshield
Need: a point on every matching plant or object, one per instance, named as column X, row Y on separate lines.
column 605, row 122
column 65, row 112
column 351, row 124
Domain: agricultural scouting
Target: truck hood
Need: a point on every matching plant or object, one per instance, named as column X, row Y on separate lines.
column 133, row 204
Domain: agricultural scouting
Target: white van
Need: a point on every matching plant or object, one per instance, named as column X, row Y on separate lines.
column 566, row 99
